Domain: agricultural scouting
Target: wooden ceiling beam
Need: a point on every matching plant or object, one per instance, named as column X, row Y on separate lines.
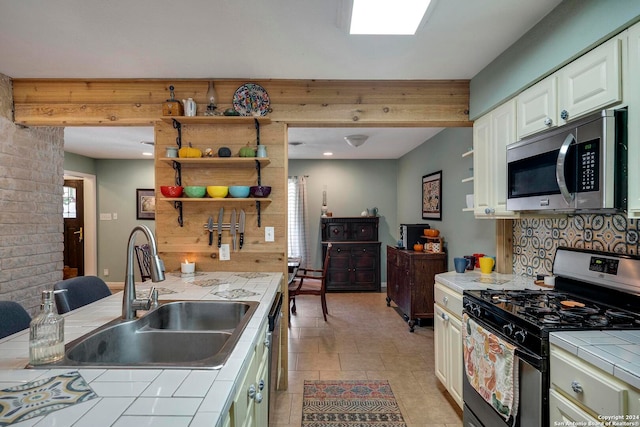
column 138, row 102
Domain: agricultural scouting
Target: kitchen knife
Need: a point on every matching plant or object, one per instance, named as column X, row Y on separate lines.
column 241, row 228
column 210, row 228
column 220, row 216
column 233, row 228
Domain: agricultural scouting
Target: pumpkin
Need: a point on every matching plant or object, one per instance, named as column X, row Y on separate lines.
column 189, row 152
column 418, row 247
column 247, row 151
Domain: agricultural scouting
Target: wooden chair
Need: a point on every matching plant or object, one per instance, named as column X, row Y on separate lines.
column 310, row 281
column 143, row 255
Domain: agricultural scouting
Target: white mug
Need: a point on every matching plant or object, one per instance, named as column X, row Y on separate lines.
column 190, row 107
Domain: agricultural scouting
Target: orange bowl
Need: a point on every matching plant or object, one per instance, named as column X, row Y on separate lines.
column 431, row 232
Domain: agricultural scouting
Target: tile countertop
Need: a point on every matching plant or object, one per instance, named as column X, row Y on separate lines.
column 475, row 280
column 141, row 397
column 615, row 352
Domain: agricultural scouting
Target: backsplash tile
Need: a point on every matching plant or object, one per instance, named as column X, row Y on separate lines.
column 535, row 240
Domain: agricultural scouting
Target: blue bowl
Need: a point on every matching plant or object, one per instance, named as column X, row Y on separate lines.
column 239, row 191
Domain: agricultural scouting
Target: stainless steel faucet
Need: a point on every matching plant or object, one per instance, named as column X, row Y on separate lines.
column 130, row 304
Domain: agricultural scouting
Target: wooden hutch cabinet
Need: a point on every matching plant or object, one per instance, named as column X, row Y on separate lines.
column 355, row 257
column 410, row 281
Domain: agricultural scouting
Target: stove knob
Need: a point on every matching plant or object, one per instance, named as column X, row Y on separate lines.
column 508, row 329
column 520, row 335
column 477, row 311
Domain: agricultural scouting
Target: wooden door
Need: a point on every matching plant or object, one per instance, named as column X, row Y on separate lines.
column 73, row 214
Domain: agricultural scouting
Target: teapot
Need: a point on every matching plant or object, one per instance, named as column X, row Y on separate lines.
column 190, row 107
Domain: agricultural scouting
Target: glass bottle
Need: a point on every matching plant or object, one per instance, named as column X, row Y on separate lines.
column 46, row 333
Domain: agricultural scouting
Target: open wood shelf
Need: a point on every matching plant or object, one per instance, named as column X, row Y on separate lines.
column 221, row 162
column 211, row 120
column 216, row 200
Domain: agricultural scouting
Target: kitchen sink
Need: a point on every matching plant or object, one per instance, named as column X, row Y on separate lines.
column 177, row 334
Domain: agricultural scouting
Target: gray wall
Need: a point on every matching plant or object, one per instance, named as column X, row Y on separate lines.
column 117, row 184
column 352, row 186
column 77, row 163
column 394, row 186
column 463, row 234
column 572, row 28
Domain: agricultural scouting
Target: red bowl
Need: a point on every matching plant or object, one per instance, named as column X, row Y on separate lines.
column 259, row 191
column 171, row 190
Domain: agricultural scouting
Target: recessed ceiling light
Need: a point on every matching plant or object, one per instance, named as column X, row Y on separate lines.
column 384, row 17
column 146, row 153
column 327, row 153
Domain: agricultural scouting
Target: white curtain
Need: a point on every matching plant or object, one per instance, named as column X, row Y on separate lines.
column 298, row 245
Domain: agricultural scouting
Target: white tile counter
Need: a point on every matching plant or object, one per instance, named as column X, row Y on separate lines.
column 473, row 279
column 149, row 397
column 615, row 352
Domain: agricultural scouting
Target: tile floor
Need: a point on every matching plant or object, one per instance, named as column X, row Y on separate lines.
column 364, row 339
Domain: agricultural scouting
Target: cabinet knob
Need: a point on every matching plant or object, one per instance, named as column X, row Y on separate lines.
column 564, row 114
column 489, row 211
column 261, row 385
column 548, row 121
column 258, row 398
column 445, row 317
column 445, row 300
column 252, row 391
column 576, row 387
column 267, row 342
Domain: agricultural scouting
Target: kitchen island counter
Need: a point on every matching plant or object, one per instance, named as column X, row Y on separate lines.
column 158, row 397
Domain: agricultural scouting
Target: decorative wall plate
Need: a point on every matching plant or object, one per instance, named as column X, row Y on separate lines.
column 251, row 99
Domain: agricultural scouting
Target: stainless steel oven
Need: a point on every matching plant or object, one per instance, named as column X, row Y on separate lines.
column 593, row 290
column 580, row 166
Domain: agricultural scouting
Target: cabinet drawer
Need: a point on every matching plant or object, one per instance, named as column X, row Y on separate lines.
column 448, row 299
column 587, row 385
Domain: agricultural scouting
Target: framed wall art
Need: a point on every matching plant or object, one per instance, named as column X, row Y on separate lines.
column 145, row 203
column 432, row 196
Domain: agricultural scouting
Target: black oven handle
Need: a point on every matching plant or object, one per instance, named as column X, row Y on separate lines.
column 560, row 178
column 526, row 356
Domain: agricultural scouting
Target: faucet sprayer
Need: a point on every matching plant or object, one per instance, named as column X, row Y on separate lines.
column 130, row 304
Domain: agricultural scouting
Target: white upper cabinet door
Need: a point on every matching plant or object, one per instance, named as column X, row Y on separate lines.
column 481, row 164
column 537, row 107
column 503, row 130
column 632, row 98
column 591, row 82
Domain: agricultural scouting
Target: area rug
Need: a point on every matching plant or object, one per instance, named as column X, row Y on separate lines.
column 363, row 403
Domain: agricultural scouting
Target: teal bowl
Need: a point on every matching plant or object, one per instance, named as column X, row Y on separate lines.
column 239, row 191
column 195, row 191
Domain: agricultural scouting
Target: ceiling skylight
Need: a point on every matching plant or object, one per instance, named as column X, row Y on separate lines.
column 387, row 17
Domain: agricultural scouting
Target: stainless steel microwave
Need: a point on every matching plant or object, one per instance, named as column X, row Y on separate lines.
column 578, row 167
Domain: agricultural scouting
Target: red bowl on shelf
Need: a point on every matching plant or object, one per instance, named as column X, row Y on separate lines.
column 171, row 190
column 259, row 191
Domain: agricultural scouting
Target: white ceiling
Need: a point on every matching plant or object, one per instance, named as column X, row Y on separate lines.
column 251, row 39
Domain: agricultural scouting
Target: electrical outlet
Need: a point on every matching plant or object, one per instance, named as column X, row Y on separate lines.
column 106, row 272
column 224, row 253
column 269, row 234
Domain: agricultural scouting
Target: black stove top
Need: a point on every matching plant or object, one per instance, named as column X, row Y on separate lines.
column 556, row 309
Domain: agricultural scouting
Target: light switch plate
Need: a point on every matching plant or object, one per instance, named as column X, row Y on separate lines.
column 225, row 254
column 105, row 217
column 268, row 234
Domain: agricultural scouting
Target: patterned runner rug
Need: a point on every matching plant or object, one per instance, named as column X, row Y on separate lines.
column 364, row 403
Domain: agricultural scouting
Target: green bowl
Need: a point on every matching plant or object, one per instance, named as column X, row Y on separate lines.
column 195, row 191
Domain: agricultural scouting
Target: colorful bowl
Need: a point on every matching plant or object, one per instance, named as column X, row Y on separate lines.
column 239, row 191
column 195, row 191
column 260, row 191
column 171, row 190
column 217, row 191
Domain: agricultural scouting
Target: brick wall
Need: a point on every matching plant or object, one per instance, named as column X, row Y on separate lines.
column 31, row 226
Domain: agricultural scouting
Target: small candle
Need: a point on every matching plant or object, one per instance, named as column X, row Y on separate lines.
column 188, row 267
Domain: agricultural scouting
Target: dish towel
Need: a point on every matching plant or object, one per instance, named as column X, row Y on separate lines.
column 491, row 367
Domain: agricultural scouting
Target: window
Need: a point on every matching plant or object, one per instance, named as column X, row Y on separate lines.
column 69, row 202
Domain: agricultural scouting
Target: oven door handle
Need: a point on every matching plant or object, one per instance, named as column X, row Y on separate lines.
column 560, row 162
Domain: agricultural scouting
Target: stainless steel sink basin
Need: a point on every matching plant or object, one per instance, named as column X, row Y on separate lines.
column 198, row 315
column 178, row 334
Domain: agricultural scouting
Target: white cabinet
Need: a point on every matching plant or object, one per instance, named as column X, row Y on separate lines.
column 491, row 135
column 250, row 406
column 632, row 97
column 447, row 326
column 591, row 82
column 582, row 392
column 538, row 107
